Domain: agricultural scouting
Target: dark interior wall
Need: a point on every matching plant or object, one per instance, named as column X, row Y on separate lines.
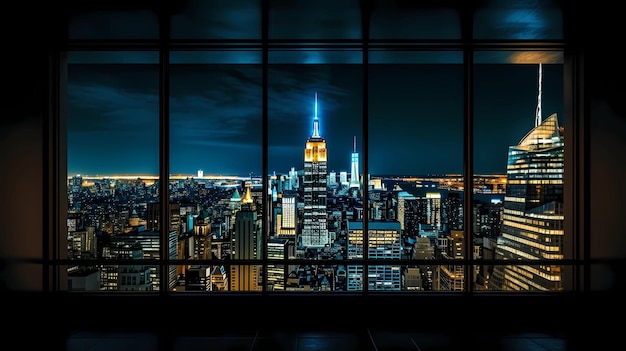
column 24, row 172
column 24, row 78
column 606, row 88
column 597, row 28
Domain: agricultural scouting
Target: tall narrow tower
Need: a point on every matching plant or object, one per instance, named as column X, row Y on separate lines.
column 354, row 169
column 246, row 245
column 315, row 229
column 532, row 228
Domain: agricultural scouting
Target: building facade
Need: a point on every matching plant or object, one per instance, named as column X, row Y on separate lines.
column 315, row 225
column 533, row 215
column 246, row 245
column 384, row 243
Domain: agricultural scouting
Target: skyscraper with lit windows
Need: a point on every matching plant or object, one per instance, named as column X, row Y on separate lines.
column 433, row 209
column 315, row 225
column 288, row 221
column 246, row 245
column 384, row 243
column 278, row 249
column 533, row 216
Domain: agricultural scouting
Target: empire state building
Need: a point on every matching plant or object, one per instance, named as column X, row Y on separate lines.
column 315, row 226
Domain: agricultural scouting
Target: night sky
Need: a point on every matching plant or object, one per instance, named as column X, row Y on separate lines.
column 414, row 101
column 415, row 124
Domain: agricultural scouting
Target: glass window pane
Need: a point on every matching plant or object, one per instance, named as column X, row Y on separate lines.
column 415, row 178
column 139, row 278
column 519, row 19
column 322, row 19
column 215, row 164
column 406, row 19
column 113, row 165
column 519, row 169
column 315, row 56
column 390, row 56
column 123, row 23
column 315, row 135
column 216, row 19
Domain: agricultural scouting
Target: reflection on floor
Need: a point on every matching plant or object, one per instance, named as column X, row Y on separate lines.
column 276, row 340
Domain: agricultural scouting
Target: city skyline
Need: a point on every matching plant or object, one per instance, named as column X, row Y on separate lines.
column 216, row 116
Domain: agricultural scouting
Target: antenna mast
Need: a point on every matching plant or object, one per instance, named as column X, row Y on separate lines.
column 315, row 104
column 538, row 112
column 316, row 131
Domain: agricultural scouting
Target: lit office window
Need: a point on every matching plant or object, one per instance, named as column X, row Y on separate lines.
column 315, row 134
column 415, row 161
column 215, row 185
column 112, row 168
column 519, row 167
column 283, row 153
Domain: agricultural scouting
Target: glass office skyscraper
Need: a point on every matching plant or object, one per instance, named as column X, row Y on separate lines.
column 533, row 217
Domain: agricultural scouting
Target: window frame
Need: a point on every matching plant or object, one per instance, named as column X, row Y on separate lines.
column 575, row 148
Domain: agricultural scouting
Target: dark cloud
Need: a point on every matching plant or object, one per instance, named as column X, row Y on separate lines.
column 415, row 116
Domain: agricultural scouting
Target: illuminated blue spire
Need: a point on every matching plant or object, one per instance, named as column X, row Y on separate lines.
column 316, row 127
column 354, row 171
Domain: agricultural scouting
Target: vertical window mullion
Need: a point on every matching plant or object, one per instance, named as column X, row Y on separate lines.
column 365, row 13
column 55, row 135
column 468, row 169
column 264, row 81
column 164, row 148
column 468, row 149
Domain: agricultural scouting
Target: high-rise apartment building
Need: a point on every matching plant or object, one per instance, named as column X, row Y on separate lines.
column 403, row 199
column 384, row 243
column 433, row 209
column 278, row 249
column 451, row 276
column 150, row 243
column 315, row 224
column 198, row 278
column 332, row 179
column 202, row 236
column 533, row 217
column 137, row 277
column 153, row 216
column 288, row 222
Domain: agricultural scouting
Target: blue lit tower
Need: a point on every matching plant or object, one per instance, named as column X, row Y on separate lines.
column 314, row 228
column 354, row 169
column 532, row 226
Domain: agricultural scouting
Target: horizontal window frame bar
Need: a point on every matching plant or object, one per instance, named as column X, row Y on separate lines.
column 227, row 44
column 369, row 261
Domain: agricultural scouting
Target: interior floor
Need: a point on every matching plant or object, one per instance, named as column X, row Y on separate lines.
column 301, row 340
